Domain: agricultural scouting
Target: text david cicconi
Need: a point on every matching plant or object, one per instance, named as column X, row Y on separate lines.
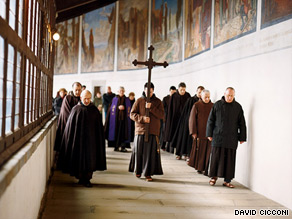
column 262, row 212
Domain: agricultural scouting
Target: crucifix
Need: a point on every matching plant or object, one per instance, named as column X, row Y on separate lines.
column 150, row 64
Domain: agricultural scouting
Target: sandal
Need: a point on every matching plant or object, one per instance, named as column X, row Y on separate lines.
column 229, row 185
column 149, row 178
column 178, row 157
column 138, row 175
column 212, row 182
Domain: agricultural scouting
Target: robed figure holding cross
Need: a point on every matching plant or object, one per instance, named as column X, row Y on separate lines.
column 147, row 113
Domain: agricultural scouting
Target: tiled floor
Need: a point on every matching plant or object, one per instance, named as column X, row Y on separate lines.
column 179, row 193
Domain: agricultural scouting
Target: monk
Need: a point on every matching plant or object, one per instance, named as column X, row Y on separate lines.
column 225, row 128
column 145, row 159
column 83, row 143
column 199, row 158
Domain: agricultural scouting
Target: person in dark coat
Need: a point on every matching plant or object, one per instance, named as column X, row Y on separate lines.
column 83, row 143
column 59, row 100
column 107, row 99
column 132, row 100
column 145, row 159
column 165, row 102
column 201, row 148
column 182, row 141
column 225, row 127
column 118, row 123
column 176, row 104
column 68, row 103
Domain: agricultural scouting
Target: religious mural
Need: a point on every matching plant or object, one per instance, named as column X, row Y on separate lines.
column 167, row 30
column 67, row 47
column 233, row 19
column 197, row 26
column 98, row 40
column 132, row 34
column 275, row 11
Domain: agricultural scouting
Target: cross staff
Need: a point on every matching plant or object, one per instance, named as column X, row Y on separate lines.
column 150, row 64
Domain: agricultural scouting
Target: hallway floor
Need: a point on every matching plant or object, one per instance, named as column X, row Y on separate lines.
column 179, row 193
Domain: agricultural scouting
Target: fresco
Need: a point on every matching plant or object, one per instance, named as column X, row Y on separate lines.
column 167, row 30
column 67, row 47
column 233, row 19
column 197, row 26
column 275, row 11
column 132, row 34
column 98, row 40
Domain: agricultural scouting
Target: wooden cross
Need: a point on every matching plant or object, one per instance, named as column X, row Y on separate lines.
column 150, row 64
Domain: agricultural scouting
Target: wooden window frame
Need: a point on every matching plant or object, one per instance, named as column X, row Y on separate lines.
column 31, row 53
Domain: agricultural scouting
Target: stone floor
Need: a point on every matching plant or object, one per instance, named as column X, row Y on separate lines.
column 179, row 193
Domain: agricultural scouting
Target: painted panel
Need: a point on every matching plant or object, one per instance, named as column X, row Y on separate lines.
column 133, row 32
column 98, row 40
column 275, row 11
column 67, row 47
column 167, row 30
column 197, row 26
column 233, row 19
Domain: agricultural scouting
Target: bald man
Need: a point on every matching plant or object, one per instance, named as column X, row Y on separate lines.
column 83, row 143
column 225, row 128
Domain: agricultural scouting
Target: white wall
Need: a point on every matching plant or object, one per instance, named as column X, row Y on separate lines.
column 24, row 178
column 259, row 67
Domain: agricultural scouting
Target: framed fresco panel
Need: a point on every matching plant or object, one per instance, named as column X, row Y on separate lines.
column 98, row 40
column 167, row 30
column 67, row 47
column 132, row 33
column 275, row 11
column 197, row 26
column 233, row 19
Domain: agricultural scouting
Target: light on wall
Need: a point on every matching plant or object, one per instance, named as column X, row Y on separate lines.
column 56, row 36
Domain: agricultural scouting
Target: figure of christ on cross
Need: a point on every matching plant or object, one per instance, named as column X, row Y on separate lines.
column 150, row 64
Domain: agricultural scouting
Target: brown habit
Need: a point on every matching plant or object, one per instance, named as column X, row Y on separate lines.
column 201, row 148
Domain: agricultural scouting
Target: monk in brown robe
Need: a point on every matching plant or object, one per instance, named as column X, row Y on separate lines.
column 201, row 148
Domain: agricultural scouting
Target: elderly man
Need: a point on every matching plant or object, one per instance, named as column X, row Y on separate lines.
column 118, row 122
column 83, row 143
column 145, row 159
column 199, row 157
column 225, row 127
column 68, row 103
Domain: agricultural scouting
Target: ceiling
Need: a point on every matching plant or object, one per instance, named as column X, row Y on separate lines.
column 67, row 9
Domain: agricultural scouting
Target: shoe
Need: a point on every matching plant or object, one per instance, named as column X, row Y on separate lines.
column 138, row 175
column 88, row 184
column 200, row 172
column 212, row 182
column 229, row 185
column 149, row 178
column 123, row 150
column 116, row 149
column 178, row 157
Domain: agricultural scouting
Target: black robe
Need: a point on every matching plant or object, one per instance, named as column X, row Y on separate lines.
column 83, row 143
column 57, row 105
column 165, row 103
column 175, row 108
column 106, row 101
column 182, row 140
column 226, row 125
column 68, row 103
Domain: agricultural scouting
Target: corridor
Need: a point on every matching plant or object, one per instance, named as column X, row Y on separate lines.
column 179, row 193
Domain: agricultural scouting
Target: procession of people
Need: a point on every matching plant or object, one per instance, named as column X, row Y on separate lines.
column 193, row 128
